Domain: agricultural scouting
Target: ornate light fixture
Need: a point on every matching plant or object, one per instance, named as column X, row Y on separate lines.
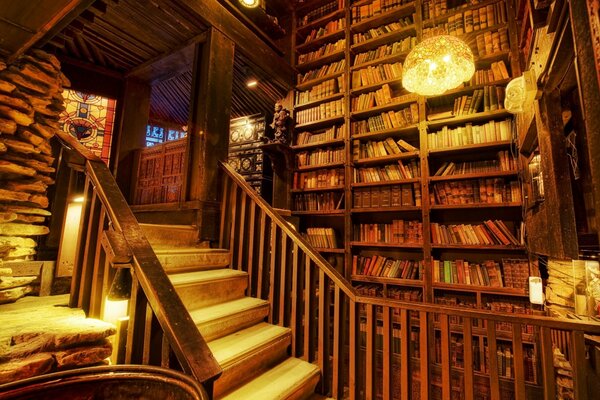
column 250, row 3
column 437, row 64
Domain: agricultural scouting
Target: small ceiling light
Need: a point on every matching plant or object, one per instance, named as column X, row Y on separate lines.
column 437, row 64
column 250, row 3
column 252, row 83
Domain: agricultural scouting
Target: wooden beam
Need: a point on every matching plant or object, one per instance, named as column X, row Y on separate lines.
column 71, row 14
column 264, row 56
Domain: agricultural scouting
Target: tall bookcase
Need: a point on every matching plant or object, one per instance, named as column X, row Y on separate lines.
column 410, row 197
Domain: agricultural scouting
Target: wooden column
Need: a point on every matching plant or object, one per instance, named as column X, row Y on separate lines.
column 209, row 121
column 132, row 132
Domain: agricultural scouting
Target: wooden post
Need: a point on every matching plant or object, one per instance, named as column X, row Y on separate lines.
column 208, row 137
column 132, row 132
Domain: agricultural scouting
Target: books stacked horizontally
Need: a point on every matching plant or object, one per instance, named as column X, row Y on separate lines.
column 489, row 233
column 322, row 111
column 387, row 267
column 321, row 237
column 409, row 170
column 325, row 70
column 398, row 232
column 319, row 179
column 492, row 131
column 388, row 120
column 335, row 132
column 476, row 191
column 387, row 196
column 330, row 28
column 504, row 162
column 322, row 51
column 375, row 74
column 328, row 201
column 381, row 148
column 320, row 157
column 320, row 91
column 386, row 50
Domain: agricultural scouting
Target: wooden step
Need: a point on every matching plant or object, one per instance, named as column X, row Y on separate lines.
column 170, row 235
column 224, row 318
column 293, row 379
column 204, row 288
column 192, row 259
column 248, row 353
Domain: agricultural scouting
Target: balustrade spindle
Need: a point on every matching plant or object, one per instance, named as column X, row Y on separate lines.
column 518, row 361
column 295, row 297
column 387, row 352
column 424, row 353
column 468, row 357
column 578, row 359
column 445, row 332
column 262, row 254
column 548, row 379
column 405, row 369
column 283, row 280
column 251, row 250
column 370, row 366
column 324, row 340
column 493, row 360
column 242, row 235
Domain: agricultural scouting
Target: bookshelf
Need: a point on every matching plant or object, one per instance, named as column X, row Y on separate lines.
column 439, row 164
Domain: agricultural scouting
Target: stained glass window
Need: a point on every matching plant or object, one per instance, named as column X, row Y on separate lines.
column 156, row 134
column 90, row 118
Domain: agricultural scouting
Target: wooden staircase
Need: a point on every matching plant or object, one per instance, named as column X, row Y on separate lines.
column 252, row 353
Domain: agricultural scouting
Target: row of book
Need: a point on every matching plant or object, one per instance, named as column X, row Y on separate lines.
column 320, row 157
column 330, row 109
column 321, row 11
column 387, row 120
column 387, row 196
column 437, row 8
column 382, row 30
column 322, row 51
column 381, row 148
column 386, row 267
column 320, row 91
column 504, row 162
column 325, row 70
column 476, row 191
column 497, row 72
column 386, row 50
column 323, row 201
column 321, row 237
column 375, row 74
column 392, row 293
column 512, row 274
column 485, row 234
column 378, row 98
column 492, row 131
column 489, row 43
column 375, row 7
column 390, row 172
column 319, row 179
column 329, row 28
column 488, row 98
column 335, row 132
column 398, row 232
column 475, row 19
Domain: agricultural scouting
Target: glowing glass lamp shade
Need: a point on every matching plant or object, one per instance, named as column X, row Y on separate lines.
column 437, row 64
column 250, row 3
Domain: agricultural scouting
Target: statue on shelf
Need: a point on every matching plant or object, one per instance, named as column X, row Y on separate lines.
column 281, row 125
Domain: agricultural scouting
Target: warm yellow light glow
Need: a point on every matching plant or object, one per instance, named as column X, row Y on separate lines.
column 252, row 83
column 437, row 64
column 115, row 309
column 77, row 199
column 250, row 3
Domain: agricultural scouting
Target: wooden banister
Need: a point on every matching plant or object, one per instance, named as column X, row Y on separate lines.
column 374, row 347
column 160, row 330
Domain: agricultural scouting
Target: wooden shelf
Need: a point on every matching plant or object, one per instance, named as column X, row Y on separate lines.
column 316, row 102
column 324, row 213
column 318, row 42
column 326, row 59
column 387, row 159
column 319, row 21
column 320, row 123
column 473, row 175
column 386, row 38
column 463, row 119
column 385, row 183
column 372, row 111
column 470, row 89
column 470, row 247
column 308, row 84
column 387, row 133
column 324, row 189
column 490, row 58
column 470, row 148
column 480, row 289
column 326, row 250
column 394, row 245
column 383, row 18
column 325, row 143
column 370, row 88
column 385, row 209
column 320, row 166
column 390, row 281
column 474, row 206
column 383, row 60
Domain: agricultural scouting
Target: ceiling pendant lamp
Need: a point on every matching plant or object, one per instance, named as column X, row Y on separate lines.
column 437, row 64
column 250, row 3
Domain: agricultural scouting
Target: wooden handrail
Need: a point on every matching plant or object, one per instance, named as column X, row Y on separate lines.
column 371, row 347
column 178, row 329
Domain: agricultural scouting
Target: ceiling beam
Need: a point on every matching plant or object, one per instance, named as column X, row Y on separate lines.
column 69, row 16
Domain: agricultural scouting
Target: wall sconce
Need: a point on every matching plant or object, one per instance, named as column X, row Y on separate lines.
column 520, row 93
column 116, row 305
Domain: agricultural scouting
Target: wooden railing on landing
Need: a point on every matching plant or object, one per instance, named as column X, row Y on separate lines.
column 160, row 331
column 370, row 347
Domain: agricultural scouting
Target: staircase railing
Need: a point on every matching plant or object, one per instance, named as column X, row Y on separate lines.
column 369, row 347
column 160, row 331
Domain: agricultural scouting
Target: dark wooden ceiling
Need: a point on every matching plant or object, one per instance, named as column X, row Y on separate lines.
column 122, row 36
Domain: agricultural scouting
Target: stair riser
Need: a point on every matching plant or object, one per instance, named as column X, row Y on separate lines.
column 252, row 365
column 172, row 236
column 307, row 388
column 197, row 262
column 224, row 326
column 208, row 293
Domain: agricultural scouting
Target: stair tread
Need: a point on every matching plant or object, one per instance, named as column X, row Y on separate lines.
column 184, row 278
column 187, row 250
column 241, row 343
column 221, row 310
column 277, row 383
